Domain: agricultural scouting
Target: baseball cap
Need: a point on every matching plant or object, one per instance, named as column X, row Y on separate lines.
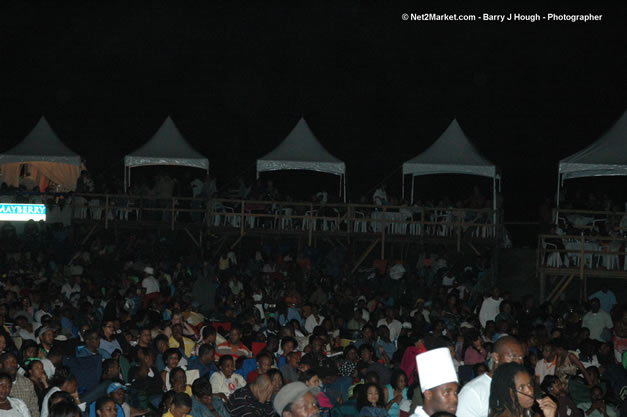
column 114, row 387
column 290, row 393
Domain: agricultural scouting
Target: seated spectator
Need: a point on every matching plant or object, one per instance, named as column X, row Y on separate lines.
column 233, row 346
column 290, row 370
column 225, row 381
column 366, row 352
column 474, row 351
column 63, row 380
column 395, row 393
column 180, row 406
column 183, row 343
column 252, row 400
column 553, row 387
column 264, row 363
column 205, row 362
column 370, row 402
column 597, row 407
column 92, row 346
column 171, row 358
column 203, row 402
column 10, row 406
column 349, row 364
column 311, row 380
column 178, row 381
column 277, row 380
column 146, row 383
column 21, row 387
column 108, row 341
column 35, row 372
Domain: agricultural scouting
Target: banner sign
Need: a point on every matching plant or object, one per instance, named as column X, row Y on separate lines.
column 22, row 212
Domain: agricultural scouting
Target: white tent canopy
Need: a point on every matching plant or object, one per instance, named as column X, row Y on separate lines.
column 301, row 150
column 166, row 147
column 46, row 156
column 452, row 153
column 604, row 158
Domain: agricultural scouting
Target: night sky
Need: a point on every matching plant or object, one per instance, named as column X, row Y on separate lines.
column 376, row 90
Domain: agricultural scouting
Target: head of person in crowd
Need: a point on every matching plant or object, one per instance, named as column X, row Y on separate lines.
column 264, row 362
column 178, row 379
column 288, row 344
column 208, row 335
column 507, row 349
column 438, row 381
column 107, row 330
column 46, row 337
column 277, row 380
column 235, row 335
column 172, row 357
column 310, row 378
column 8, row 364
column 371, row 395
column 64, row 409
column 201, row 390
column 511, row 391
column 207, row 354
column 6, row 383
column 226, row 365
column 145, row 337
column 398, row 380
column 161, row 343
column 64, row 380
column 297, row 400
column 110, row 370
column 181, row 405
column 552, row 386
column 105, row 407
column 367, row 354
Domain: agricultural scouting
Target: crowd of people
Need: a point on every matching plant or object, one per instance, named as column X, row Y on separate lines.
column 139, row 326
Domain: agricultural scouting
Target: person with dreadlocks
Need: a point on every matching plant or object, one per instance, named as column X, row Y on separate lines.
column 512, row 394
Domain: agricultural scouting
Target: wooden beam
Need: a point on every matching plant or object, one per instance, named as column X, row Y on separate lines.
column 557, row 286
column 364, row 255
column 561, row 290
column 239, row 239
column 192, row 237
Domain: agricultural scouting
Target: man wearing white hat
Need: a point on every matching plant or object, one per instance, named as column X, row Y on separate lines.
column 438, row 381
column 297, row 400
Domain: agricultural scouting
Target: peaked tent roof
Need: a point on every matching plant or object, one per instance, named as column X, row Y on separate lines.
column 605, row 157
column 167, row 147
column 452, row 153
column 41, row 145
column 301, row 150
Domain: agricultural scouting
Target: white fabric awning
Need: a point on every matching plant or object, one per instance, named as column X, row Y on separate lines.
column 301, row 150
column 167, row 147
column 605, row 157
column 452, row 153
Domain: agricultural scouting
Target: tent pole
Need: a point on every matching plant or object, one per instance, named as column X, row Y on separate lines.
column 340, row 191
column 344, row 188
column 124, row 179
column 402, row 186
column 494, row 199
column 413, row 177
column 557, row 203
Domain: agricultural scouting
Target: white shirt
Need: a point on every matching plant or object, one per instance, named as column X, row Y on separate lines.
column 474, row 398
column 151, row 284
column 596, row 322
column 489, row 310
column 419, row 412
column 395, row 328
column 311, row 323
column 18, row 408
column 68, row 289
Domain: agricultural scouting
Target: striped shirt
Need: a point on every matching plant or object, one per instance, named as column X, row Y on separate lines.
column 236, row 351
column 243, row 403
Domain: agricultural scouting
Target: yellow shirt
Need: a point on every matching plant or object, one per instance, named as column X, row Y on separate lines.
column 188, row 345
column 169, row 414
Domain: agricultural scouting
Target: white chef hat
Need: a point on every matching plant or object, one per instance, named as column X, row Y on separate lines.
column 435, row 367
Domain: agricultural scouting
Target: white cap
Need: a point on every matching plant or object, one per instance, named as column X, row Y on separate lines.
column 435, row 368
column 149, row 270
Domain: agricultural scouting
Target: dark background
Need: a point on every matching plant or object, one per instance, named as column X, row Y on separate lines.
column 376, row 90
